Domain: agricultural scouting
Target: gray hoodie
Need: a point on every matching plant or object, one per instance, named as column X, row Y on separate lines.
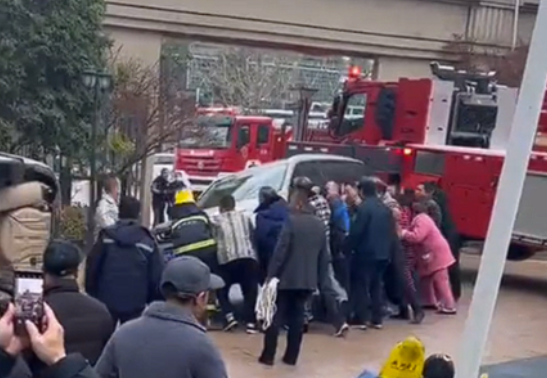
column 167, row 342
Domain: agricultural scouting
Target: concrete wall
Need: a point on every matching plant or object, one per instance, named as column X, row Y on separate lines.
column 406, row 34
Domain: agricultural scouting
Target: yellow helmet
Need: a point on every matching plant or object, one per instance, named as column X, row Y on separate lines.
column 184, row 196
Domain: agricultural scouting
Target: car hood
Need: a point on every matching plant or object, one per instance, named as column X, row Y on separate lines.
column 248, row 206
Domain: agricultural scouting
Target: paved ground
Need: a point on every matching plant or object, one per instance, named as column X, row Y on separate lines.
column 518, row 332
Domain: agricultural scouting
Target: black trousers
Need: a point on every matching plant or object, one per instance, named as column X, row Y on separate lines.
column 123, row 317
column 208, row 255
column 401, row 281
column 159, row 213
column 290, row 311
column 367, row 289
column 454, row 271
column 245, row 273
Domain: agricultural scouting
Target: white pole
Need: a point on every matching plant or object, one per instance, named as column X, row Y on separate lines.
column 516, row 16
column 508, row 195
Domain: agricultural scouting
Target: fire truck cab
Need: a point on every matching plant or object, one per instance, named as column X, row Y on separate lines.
column 452, row 130
column 225, row 141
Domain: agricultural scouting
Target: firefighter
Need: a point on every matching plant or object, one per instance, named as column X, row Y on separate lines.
column 191, row 230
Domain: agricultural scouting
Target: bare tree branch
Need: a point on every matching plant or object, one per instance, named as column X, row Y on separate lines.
column 144, row 117
column 249, row 78
column 509, row 65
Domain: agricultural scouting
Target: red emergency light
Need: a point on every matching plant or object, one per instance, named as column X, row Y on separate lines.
column 354, row 72
column 404, row 152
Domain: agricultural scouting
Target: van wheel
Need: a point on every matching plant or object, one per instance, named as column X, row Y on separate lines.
column 518, row 252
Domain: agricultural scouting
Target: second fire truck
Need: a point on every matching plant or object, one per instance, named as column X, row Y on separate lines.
column 452, row 130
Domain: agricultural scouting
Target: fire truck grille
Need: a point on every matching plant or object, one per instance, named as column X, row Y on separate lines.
column 199, row 165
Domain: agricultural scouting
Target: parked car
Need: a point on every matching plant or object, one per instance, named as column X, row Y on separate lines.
column 244, row 185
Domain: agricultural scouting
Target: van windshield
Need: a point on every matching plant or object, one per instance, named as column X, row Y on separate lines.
column 244, row 186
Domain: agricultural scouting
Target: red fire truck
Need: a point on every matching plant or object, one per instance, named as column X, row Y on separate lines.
column 225, row 141
column 452, row 130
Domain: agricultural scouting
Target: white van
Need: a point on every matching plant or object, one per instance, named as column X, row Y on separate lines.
column 245, row 185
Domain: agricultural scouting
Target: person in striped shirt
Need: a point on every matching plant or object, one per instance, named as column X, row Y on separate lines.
column 238, row 263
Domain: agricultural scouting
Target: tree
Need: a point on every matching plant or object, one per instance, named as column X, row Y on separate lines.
column 46, row 45
column 508, row 64
column 249, row 78
column 143, row 116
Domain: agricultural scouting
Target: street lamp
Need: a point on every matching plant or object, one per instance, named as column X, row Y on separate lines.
column 99, row 83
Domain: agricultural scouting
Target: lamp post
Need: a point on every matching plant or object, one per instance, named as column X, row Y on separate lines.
column 99, row 83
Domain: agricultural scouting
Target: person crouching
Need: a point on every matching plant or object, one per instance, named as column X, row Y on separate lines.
column 237, row 262
column 433, row 259
column 192, row 230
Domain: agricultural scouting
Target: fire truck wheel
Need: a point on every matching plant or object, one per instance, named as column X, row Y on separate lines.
column 518, row 252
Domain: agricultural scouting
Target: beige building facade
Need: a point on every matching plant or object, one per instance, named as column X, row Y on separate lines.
column 403, row 35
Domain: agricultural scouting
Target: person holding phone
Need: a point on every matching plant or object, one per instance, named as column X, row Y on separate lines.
column 47, row 344
column 88, row 324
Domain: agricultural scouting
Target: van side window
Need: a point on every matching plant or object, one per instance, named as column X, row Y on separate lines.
column 342, row 171
column 308, row 169
column 263, row 135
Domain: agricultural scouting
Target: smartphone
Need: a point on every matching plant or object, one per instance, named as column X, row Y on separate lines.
column 29, row 300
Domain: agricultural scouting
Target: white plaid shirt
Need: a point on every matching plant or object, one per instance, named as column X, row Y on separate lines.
column 322, row 210
column 234, row 234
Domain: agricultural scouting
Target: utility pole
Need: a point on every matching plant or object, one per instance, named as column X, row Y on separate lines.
column 509, row 192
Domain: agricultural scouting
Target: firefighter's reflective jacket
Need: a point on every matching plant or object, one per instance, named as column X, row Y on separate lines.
column 192, row 231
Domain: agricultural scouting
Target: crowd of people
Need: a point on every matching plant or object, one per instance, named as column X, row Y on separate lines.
column 351, row 253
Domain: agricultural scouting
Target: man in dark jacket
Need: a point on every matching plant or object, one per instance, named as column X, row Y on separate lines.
column 300, row 261
column 433, row 208
column 48, row 346
column 192, row 232
column 86, row 321
column 160, row 198
column 124, row 267
column 271, row 215
column 371, row 240
column 169, row 340
column 449, row 231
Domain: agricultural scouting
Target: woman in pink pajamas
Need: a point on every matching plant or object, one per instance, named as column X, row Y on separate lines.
column 432, row 260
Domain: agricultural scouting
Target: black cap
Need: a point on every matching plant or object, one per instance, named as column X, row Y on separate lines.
column 61, row 258
column 189, row 276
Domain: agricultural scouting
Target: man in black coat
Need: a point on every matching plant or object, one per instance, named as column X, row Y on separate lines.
column 160, row 196
column 371, row 238
column 300, row 261
column 124, row 267
column 86, row 321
